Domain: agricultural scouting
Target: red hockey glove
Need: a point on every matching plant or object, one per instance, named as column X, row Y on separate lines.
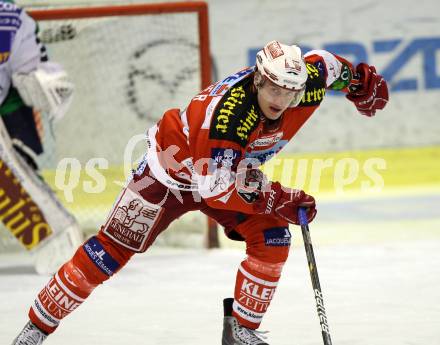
column 368, row 91
column 284, row 202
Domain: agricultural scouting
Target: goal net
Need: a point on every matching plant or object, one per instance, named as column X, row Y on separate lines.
column 129, row 64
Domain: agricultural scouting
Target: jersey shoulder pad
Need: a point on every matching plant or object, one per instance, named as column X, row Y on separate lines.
column 236, row 115
column 315, row 86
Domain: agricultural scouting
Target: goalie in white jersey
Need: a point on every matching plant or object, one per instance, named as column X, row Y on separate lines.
column 30, row 87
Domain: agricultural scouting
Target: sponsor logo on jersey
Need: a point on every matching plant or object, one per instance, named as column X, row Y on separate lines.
column 224, row 157
column 277, row 237
column 264, row 155
column 266, row 141
column 177, row 185
column 235, row 116
column 229, row 109
column 313, row 71
column 132, row 221
column 248, row 124
column 315, row 87
column 19, row 213
column 103, row 260
column 313, row 97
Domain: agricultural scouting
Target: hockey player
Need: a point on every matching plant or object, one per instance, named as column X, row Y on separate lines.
column 206, row 157
column 30, row 87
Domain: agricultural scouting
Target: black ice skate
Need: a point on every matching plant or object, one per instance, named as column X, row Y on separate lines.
column 233, row 332
column 30, row 335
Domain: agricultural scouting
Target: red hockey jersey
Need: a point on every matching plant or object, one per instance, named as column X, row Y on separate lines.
column 199, row 148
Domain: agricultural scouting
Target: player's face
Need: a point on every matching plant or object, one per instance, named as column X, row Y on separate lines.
column 274, row 100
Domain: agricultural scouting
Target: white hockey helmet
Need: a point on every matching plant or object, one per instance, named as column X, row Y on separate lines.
column 284, row 66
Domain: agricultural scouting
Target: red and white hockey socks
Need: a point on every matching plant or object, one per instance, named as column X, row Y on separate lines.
column 93, row 263
column 57, row 299
column 254, row 288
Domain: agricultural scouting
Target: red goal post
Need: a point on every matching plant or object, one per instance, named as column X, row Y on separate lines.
column 200, row 8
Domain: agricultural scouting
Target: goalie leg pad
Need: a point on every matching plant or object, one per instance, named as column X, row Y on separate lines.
column 31, row 211
column 268, row 243
column 93, row 263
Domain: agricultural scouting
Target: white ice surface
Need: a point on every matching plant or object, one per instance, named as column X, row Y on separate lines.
column 378, row 262
column 377, row 294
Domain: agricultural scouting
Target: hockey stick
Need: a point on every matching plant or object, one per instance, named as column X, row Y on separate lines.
column 302, row 215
